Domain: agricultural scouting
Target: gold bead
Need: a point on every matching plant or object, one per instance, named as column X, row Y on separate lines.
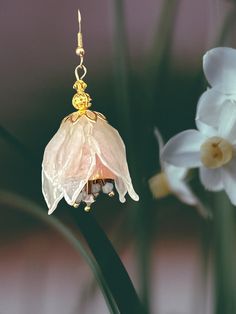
column 87, row 208
column 111, row 194
column 80, row 85
column 79, row 51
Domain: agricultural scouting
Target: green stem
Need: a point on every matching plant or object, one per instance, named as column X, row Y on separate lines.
column 163, row 37
column 110, row 264
column 224, row 255
column 129, row 125
column 121, row 68
column 228, row 24
column 17, row 202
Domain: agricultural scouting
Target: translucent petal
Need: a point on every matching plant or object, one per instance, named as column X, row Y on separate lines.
column 51, row 193
column 108, row 145
column 183, row 150
column 219, row 68
column 68, row 161
column 229, row 180
column 211, row 179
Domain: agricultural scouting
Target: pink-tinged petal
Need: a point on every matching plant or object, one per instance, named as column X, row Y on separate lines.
column 229, row 180
column 211, row 179
column 209, row 107
column 68, row 162
column 183, row 150
column 219, row 65
column 109, row 147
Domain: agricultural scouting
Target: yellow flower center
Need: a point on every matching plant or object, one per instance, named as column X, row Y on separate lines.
column 216, row 152
column 159, row 185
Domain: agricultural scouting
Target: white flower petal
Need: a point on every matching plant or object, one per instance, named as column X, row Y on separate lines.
column 110, row 148
column 183, row 150
column 219, row 66
column 229, row 180
column 174, row 172
column 227, row 122
column 211, row 178
column 184, row 193
column 159, row 139
column 160, row 144
column 208, row 110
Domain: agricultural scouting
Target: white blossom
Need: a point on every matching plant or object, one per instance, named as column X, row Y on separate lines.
column 213, row 150
column 219, row 65
column 85, row 157
column 171, row 180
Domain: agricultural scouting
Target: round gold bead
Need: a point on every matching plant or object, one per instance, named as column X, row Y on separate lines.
column 87, row 208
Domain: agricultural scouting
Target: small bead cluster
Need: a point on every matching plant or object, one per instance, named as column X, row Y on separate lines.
column 91, row 191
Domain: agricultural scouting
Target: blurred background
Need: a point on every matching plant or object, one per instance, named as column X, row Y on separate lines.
column 144, row 61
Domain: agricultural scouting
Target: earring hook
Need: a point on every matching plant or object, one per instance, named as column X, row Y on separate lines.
column 79, row 20
column 80, row 50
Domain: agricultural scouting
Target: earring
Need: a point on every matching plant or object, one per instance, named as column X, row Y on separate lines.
column 86, row 156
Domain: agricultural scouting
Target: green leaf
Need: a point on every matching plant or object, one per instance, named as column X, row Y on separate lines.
column 19, row 203
column 110, row 264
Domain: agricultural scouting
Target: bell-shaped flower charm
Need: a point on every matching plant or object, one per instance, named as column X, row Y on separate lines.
column 84, row 158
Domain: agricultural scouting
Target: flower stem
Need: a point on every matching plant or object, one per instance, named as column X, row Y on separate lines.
column 224, row 255
column 121, row 77
column 110, row 264
column 19, row 203
column 228, row 24
column 163, row 36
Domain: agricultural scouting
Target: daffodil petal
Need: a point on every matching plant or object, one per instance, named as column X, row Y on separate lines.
column 219, row 68
column 208, row 110
column 174, row 172
column 227, row 122
column 211, row 179
column 159, row 138
column 160, row 144
column 183, row 150
column 229, row 180
column 184, row 193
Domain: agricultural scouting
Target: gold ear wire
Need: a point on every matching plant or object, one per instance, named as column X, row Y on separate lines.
column 80, row 51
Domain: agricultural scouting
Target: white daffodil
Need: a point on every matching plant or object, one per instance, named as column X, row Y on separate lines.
column 219, row 65
column 171, row 180
column 85, row 157
column 212, row 150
